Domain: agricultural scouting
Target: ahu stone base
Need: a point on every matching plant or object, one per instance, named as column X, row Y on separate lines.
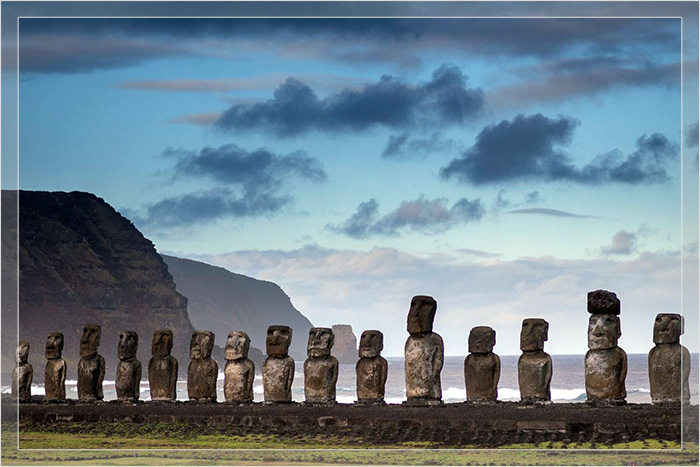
column 447, row 425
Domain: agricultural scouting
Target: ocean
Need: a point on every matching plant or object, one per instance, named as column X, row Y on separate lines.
column 567, row 381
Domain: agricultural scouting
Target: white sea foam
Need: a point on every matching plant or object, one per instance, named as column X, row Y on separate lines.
column 258, row 390
column 345, row 399
column 508, row 394
column 6, row 390
column 454, row 394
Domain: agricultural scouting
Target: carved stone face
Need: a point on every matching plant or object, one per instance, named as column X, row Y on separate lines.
column 278, row 340
column 54, row 345
column 201, row 345
column 90, row 340
column 482, row 339
column 22, row 352
column 128, row 344
column 371, row 344
column 603, row 302
column 603, row 331
column 668, row 328
column 421, row 314
column 533, row 334
column 237, row 345
column 320, row 342
column 162, row 343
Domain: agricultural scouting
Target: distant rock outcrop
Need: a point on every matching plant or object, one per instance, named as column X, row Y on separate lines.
column 224, row 301
column 345, row 348
column 81, row 262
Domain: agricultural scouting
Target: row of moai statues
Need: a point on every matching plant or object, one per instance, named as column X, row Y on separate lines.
column 605, row 363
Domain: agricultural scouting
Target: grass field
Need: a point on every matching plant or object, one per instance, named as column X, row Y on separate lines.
column 176, row 445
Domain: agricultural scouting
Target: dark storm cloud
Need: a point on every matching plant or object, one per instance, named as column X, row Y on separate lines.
column 403, row 146
column 548, row 212
column 420, row 215
column 295, row 108
column 206, row 206
column 256, row 170
column 528, row 148
column 250, row 185
column 398, row 41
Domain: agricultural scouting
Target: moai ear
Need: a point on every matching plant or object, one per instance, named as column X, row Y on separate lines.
column 619, row 327
column 682, row 324
column 546, row 330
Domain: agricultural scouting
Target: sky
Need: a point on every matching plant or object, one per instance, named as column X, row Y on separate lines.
column 505, row 166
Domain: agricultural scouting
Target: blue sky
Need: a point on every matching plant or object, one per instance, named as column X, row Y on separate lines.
column 504, row 166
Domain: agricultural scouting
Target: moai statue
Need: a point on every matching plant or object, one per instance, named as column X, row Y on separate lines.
column 91, row 368
column 669, row 361
column 482, row 367
column 424, row 353
column 162, row 368
column 321, row 368
column 371, row 369
column 128, row 380
column 22, row 374
column 239, row 372
column 55, row 373
column 203, row 370
column 278, row 369
column 605, row 363
column 534, row 365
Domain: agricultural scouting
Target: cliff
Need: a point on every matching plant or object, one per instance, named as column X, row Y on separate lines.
column 223, row 301
column 81, row 262
column 345, row 347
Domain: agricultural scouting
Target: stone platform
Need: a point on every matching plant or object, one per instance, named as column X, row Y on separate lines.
column 448, row 425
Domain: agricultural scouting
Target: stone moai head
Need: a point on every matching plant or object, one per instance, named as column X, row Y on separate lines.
column 90, row 340
column 162, row 343
column 201, row 345
column 421, row 314
column 371, row 344
column 320, row 342
column 237, row 345
column 482, row 339
column 604, row 324
column 128, row 345
column 603, row 331
column 668, row 328
column 278, row 340
column 22, row 352
column 533, row 334
column 54, row 345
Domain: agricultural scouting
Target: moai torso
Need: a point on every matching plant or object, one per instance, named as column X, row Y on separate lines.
column 91, row 368
column 278, row 368
column 424, row 352
column 55, row 372
column 482, row 367
column 371, row 369
column 162, row 368
column 239, row 372
column 22, row 374
column 605, row 363
column 534, row 365
column 128, row 380
column 669, row 361
column 321, row 368
column 203, row 370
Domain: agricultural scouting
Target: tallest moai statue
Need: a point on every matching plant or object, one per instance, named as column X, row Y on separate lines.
column 424, row 352
column 605, row 363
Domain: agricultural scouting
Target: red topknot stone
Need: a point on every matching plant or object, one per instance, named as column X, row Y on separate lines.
column 602, row 301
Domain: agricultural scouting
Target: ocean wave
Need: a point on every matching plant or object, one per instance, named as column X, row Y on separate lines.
column 508, row 394
column 568, row 394
column 454, row 394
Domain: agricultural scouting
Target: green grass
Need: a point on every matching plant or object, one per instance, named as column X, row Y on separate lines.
column 160, row 440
